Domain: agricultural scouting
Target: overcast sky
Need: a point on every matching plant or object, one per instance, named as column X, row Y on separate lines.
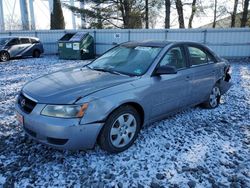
column 42, row 14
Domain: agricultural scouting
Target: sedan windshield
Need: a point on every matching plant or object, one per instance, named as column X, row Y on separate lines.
column 129, row 60
column 3, row 41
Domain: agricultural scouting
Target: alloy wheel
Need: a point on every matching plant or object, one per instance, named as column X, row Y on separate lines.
column 4, row 56
column 214, row 97
column 123, row 130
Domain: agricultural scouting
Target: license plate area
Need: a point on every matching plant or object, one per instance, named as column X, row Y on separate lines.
column 19, row 118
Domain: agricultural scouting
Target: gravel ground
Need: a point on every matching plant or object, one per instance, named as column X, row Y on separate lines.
column 194, row 148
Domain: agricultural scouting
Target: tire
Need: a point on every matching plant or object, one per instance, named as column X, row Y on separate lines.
column 214, row 98
column 4, row 56
column 120, row 130
column 36, row 54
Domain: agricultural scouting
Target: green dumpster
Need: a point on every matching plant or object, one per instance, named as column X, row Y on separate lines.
column 78, row 45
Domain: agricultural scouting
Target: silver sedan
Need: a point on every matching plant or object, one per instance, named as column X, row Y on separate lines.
column 109, row 100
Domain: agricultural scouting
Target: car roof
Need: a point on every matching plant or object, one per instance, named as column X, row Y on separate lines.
column 150, row 43
column 13, row 37
column 158, row 43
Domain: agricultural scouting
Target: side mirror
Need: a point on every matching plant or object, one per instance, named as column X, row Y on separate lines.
column 167, row 69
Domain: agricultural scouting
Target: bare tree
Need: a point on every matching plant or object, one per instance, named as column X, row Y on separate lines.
column 56, row 16
column 126, row 13
column 146, row 14
column 215, row 13
column 194, row 8
column 12, row 22
column 179, row 7
column 151, row 12
column 167, row 13
column 234, row 13
column 244, row 15
column 130, row 13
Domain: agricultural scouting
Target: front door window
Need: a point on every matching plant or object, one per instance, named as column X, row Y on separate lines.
column 174, row 57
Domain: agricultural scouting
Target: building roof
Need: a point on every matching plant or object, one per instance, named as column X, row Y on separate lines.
column 226, row 22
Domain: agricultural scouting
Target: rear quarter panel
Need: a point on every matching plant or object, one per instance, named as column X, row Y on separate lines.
column 220, row 69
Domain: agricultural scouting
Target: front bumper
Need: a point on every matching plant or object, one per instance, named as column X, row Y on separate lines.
column 58, row 132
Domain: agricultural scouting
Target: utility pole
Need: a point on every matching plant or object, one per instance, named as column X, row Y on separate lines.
column 73, row 16
column 32, row 15
column 51, row 6
column 1, row 16
column 24, row 14
column 83, row 20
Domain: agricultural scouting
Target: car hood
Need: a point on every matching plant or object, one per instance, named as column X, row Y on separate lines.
column 66, row 86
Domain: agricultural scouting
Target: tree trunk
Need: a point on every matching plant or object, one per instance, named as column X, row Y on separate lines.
column 234, row 13
column 192, row 14
column 167, row 13
column 131, row 18
column 56, row 16
column 125, row 10
column 99, row 20
column 146, row 14
column 83, row 17
column 179, row 8
column 244, row 15
column 215, row 13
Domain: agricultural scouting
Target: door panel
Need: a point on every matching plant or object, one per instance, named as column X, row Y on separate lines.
column 24, row 47
column 170, row 92
column 14, row 46
column 202, row 83
column 203, row 75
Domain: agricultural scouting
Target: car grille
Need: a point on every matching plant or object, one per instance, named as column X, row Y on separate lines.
column 26, row 104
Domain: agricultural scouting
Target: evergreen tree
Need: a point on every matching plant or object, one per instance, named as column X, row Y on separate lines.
column 56, row 16
column 245, row 13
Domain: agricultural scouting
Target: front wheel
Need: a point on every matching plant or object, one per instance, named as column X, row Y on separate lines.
column 120, row 130
column 4, row 56
column 214, row 98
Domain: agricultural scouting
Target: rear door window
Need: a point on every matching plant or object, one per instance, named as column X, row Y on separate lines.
column 199, row 56
column 25, row 41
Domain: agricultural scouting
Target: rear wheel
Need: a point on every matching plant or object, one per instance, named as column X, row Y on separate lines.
column 120, row 130
column 4, row 56
column 36, row 54
column 214, row 98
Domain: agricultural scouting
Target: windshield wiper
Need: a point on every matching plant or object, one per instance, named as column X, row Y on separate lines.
column 106, row 70
column 110, row 71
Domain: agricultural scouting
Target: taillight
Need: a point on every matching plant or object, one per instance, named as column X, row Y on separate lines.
column 227, row 75
column 227, row 69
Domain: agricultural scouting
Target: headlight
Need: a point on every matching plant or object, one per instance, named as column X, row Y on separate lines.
column 65, row 111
